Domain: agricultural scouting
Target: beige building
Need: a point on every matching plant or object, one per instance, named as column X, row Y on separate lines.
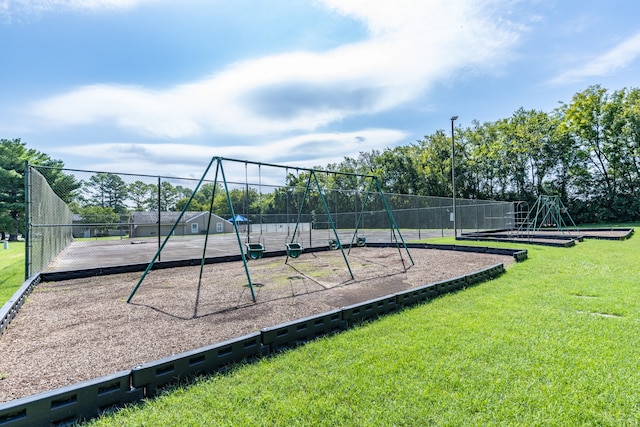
column 145, row 224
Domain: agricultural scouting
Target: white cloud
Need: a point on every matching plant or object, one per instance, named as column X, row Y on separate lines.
column 621, row 56
column 189, row 160
column 413, row 45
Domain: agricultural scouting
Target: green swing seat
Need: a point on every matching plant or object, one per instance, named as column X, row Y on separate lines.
column 254, row 250
column 294, row 250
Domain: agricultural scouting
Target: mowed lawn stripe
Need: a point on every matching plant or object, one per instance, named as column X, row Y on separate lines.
column 551, row 342
column 11, row 269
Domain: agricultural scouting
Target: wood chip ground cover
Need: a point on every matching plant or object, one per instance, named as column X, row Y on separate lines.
column 75, row 330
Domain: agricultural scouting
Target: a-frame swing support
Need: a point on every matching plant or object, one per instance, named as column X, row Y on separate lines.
column 312, row 175
column 219, row 169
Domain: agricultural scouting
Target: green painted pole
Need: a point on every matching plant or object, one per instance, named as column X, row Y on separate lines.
column 27, row 221
column 359, row 221
column 392, row 220
column 235, row 226
column 249, row 162
column 206, row 241
column 333, row 227
column 157, row 255
column 304, row 197
column 295, row 230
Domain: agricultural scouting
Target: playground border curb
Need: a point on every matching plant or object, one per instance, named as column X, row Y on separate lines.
column 10, row 309
column 502, row 235
column 556, row 241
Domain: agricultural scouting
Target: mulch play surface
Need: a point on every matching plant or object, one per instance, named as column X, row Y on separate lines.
column 75, row 330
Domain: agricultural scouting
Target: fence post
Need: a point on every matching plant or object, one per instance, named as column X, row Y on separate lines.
column 27, row 221
column 159, row 219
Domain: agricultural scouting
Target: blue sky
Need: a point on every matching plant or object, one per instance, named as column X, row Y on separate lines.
column 159, row 87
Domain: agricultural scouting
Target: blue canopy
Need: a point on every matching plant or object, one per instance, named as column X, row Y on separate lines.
column 238, row 218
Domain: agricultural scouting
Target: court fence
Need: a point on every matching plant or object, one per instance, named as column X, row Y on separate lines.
column 49, row 223
column 88, row 219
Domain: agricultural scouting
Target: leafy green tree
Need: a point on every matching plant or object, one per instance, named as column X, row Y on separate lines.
column 399, row 170
column 100, row 218
column 11, row 202
column 586, row 151
column 585, row 119
column 485, row 160
column 13, row 155
column 141, row 194
column 526, row 151
column 605, row 126
column 168, row 196
column 195, row 205
column 107, row 190
column 183, row 192
column 631, row 134
column 569, row 175
column 435, row 164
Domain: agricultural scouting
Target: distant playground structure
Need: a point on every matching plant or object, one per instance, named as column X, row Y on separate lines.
column 547, row 222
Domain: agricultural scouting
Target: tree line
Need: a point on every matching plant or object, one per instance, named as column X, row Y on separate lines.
column 586, row 151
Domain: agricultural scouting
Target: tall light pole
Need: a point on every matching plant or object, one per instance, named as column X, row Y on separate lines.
column 453, row 177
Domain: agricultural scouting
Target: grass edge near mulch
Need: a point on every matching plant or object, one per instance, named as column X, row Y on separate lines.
column 11, row 270
column 552, row 341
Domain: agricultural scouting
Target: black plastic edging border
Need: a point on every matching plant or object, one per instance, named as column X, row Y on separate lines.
column 292, row 334
column 10, row 309
column 91, row 398
column 66, row 405
column 528, row 241
column 520, row 237
column 630, row 232
column 56, row 276
column 154, row 375
column 101, row 271
column 517, row 254
column 495, row 235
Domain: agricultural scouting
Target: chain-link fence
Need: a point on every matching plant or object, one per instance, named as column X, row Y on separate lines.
column 80, row 219
column 50, row 223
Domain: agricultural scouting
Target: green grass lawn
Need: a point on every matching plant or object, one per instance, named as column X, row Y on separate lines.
column 554, row 341
column 11, row 269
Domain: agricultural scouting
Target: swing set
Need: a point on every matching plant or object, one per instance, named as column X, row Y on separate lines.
column 293, row 247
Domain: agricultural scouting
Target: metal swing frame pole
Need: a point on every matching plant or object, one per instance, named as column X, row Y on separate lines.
column 364, row 203
column 333, row 227
column 295, row 229
column 206, row 240
column 304, row 197
column 186, row 206
column 393, row 222
column 235, row 226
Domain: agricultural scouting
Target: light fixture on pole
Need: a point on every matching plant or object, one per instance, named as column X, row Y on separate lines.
column 453, row 178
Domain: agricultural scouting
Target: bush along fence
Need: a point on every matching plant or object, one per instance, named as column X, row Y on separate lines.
column 89, row 399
